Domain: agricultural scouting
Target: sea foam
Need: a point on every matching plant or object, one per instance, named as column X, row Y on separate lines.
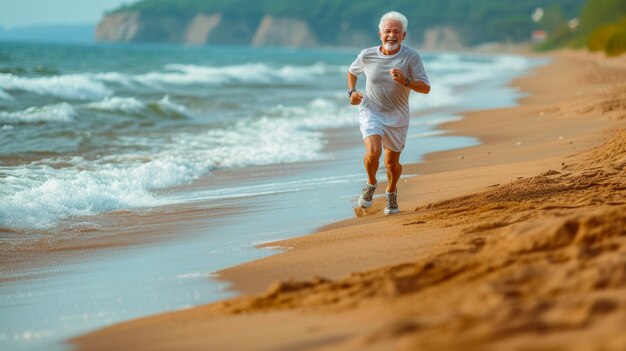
column 246, row 73
column 118, row 104
column 130, row 105
column 62, row 112
column 456, row 70
column 74, row 86
column 40, row 195
column 97, row 86
column 5, row 96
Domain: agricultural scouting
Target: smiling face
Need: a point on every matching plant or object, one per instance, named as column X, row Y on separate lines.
column 391, row 36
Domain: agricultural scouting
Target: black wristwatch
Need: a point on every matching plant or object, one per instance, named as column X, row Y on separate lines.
column 350, row 92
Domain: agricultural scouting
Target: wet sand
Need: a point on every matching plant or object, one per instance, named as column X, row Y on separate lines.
column 518, row 243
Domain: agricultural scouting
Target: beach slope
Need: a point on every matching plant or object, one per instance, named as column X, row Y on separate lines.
column 518, row 243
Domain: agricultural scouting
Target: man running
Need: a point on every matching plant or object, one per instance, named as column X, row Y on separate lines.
column 391, row 71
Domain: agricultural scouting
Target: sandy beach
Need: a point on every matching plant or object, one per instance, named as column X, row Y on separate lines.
column 518, row 243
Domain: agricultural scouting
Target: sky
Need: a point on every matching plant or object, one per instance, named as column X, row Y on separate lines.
column 17, row 13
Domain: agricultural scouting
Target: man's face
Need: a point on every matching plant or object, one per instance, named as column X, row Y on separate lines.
column 392, row 34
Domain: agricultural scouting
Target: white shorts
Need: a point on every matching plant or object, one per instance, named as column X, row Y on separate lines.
column 394, row 138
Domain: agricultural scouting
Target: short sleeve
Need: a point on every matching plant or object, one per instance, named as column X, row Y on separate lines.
column 356, row 67
column 417, row 70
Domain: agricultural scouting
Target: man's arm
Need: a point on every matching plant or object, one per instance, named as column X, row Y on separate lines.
column 419, row 86
column 355, row 97
column 415, row 85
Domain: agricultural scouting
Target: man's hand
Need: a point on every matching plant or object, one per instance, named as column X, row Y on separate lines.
column 398, row 76
column 356, row 98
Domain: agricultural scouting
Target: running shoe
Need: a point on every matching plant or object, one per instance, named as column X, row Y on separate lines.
column 392, row 203
column 365, row 199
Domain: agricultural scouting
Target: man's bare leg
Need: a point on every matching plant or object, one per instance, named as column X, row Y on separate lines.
column 394, row 169
column 373, row 150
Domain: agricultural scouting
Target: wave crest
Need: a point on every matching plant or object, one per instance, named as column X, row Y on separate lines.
column 128, row 105
column 62, row 112
column 73, row 87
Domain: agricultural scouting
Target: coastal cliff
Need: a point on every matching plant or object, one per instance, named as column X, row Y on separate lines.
column 216, row 28
column 120, row 27
column 284, row 32
column 201, row 27
column 206, row 29
column 134, row 27
column 441, row 25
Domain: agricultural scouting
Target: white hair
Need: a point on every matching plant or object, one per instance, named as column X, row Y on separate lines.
column 396, row 16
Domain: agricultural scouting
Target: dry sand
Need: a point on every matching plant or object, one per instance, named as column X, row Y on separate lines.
column 515, row 244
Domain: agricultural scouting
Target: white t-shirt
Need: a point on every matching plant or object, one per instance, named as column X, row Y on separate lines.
column 384, row 98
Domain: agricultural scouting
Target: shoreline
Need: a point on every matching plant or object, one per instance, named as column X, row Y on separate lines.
column 464, row 171
column 154, row 260
column 483, row 219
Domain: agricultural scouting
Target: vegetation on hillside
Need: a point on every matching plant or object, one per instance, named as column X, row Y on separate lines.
column 601, row 27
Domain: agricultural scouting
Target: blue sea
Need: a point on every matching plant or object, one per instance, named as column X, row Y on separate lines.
column 239, row 146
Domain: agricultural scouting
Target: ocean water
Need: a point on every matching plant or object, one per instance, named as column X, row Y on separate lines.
column 118, row 123
column 90, row 129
